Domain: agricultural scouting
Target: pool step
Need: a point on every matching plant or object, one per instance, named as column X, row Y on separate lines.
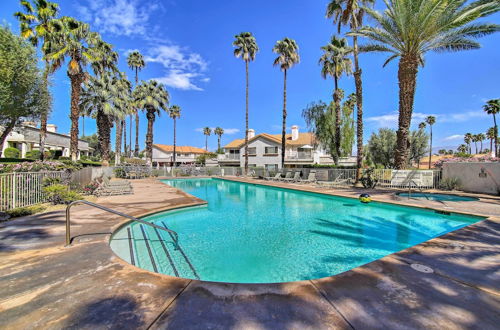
column 155, row 250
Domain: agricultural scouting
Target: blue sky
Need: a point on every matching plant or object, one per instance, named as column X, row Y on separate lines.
column 187, row 44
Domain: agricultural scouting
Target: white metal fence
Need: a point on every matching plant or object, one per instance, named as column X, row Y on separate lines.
column 24, row 189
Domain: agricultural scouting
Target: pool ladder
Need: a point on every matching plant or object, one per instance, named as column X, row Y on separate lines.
column 171, row 233
column 416, row 186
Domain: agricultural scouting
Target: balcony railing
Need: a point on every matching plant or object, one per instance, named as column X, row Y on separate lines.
column 229, row 157
column 300, row 156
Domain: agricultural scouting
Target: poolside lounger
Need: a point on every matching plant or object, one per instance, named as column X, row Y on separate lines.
column 288, row 175
column 276, row 177
column 114, row 183
column 334, row 183
column 310, row 179
column 296, row 178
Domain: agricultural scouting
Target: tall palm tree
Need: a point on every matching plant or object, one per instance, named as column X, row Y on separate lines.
column 351, row 12
column 123, row 103
column 335, row 62
column 100, row 97
column 468, row 140
column 153, row 97
column 430, row 120
column 218, row 131
column 480, row 138
column 175, row 112
column 408, row 29
column 421, row 127
column 490, row 135
column 136, row 62
column 246, row 48
column 492, row 107
column 36, row 26
column 475, row 139
column 288, row 55
column 73, row 39
column 206, row 131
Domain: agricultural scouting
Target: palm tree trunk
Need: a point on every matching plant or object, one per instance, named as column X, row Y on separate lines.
column 130, row 154
column 175, row 154
column 246, row 120
column 83, row 125
column 430, row 148
column 336, row 99
column 407, row 76
column 475, row 143
column 496, row 135
column 481, row 144
column 103, row 131
column 124, row 125
column 118, row 142
column 359, row 103
column 206, row 142
column 283, row 130
column 44, row 115
column 136, row 151
column 76, row 85
column 149, row 136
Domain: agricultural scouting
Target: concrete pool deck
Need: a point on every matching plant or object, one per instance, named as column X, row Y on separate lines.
column 45, row 285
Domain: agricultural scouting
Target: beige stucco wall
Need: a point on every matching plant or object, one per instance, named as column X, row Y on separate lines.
column 475, row 177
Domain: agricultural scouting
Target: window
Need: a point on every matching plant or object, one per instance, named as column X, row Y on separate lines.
column 271, row 150
column 271, row 167
column 252, row 151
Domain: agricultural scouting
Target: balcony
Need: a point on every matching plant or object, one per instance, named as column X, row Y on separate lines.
column 229, row 158
column 299, row 156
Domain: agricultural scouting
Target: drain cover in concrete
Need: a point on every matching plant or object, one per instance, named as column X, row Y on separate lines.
column 422, row 268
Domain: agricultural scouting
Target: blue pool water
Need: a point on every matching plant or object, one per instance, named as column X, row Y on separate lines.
column 256, row 234
column 439, row 197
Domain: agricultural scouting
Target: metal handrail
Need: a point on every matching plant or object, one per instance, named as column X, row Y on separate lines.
column 416, row 186
column 68, row 220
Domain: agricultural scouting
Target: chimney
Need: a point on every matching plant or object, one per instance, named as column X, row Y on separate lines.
column 295, row 133
column 251, row 133
column 51, row 128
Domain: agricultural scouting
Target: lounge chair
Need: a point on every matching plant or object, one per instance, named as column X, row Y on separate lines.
column 115, row 183
column 296, row 178
column 288, row 175
column 271, row 178
column 336, row 182
column 310, row 179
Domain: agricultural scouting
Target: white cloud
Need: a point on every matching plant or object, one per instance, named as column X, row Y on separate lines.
column 119, row 17
column 461, row 117
column 183, row 68
column 391, row 119
column 454, row 137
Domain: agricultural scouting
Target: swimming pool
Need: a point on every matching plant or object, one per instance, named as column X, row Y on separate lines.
column 439, row 197
column 257, row 234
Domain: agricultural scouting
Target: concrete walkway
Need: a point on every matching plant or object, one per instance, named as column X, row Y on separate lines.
column 44, row 285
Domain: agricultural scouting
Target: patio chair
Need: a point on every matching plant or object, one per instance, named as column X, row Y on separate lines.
column 296, row 178
column 108, row 189
column 311, row 178
column 271, row 178
column 288, row 175
column 115, row 183
column 336, row 182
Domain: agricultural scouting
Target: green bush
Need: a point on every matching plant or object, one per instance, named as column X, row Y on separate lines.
column 120, row 172
column 60, row 194
column 28, row 210
column 33, row 154
column 453, row 183
column 12, row 153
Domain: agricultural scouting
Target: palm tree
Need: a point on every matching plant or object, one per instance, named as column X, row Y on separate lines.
column 468, row 140
column 101, row 97
column 73, row 39
column 206, row 131
column 462, row 148
column 492, row 107
column 287, row 50
column 136, row 62
column 351, row 12
column 175, row 112
column 36, row 25
column 123, row 102
column 481, row 137
column 246, row 48
column 421, row 127
column 490, row 134
column 218, row 131
column 408, row 29
column 153, row 97
column 335, row 62
column 475, row 139
column 430, row 120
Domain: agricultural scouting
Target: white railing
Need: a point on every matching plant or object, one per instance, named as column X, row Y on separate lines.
column 24, row 188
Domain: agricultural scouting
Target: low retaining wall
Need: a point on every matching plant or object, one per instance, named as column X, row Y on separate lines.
column 475, row 177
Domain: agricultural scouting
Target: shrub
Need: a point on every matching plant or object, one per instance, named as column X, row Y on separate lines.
column 90, row 188
column 23, row 211
column 450, row 184
column 48, row 181
column 156, row 173
column 33, row 154
column 60, row 194
column 12, row 153
column 120, row 172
